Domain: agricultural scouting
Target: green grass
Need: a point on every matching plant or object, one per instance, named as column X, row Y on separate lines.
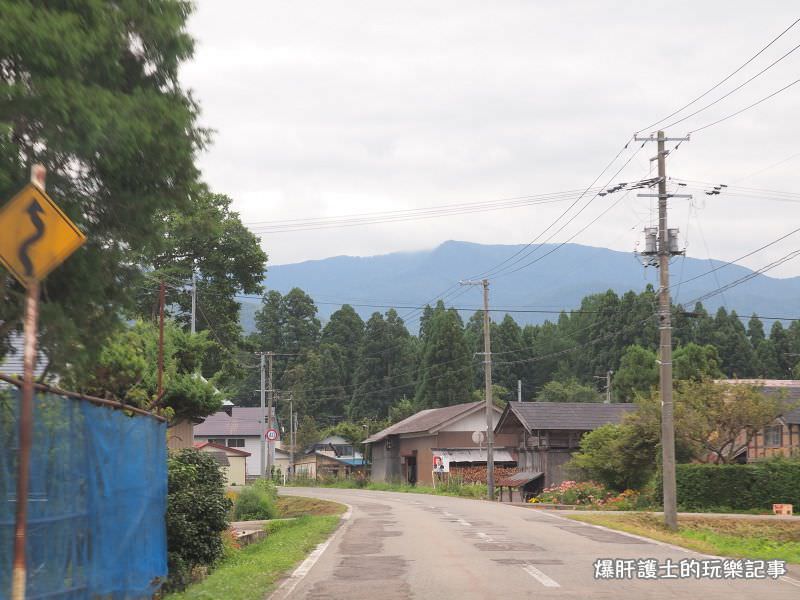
column 251, row 572
column 295, row 506
column 738, row 538
column 467, row 490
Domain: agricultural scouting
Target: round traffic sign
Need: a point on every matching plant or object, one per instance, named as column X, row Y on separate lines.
column 271, row 435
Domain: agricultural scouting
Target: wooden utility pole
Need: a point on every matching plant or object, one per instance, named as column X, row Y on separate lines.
column 161, row 300
column 487, row 379
column 263, row 443
column 270, row 419
column 667, row 247
column 291, row 438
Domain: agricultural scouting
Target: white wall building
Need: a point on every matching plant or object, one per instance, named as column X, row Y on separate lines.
column 241, row 429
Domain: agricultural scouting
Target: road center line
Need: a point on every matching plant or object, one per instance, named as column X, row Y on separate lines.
column 540, row 577
column 463, row 522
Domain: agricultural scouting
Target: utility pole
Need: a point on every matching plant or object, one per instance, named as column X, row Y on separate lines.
column 487, row 370
column 291, row 438
column 194, row 301
column 161, row 300
column 667, row 246
column 519, row 390
column 609, row 373
column 270, row 419
column 263, row 421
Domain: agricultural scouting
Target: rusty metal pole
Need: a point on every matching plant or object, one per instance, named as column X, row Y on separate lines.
column 161, row 294
column 19, row 570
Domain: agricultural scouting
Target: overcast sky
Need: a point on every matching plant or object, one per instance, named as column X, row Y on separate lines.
column 333, row 108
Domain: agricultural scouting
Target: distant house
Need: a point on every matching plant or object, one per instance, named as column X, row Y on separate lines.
column 332, row 456
column 782, row 437
column 405, row 451
column 232, row 461
column 240, row 429
column 546, row 434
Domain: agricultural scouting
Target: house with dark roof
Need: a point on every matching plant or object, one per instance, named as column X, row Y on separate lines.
column 405, row 451
column 546, row 434
column 782, row 437
column 240, row 427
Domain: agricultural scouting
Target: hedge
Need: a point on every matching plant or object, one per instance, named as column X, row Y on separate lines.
column 739, row 487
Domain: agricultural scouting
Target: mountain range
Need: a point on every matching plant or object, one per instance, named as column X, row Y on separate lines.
column 559, row 281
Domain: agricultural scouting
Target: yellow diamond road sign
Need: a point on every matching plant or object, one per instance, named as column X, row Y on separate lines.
column 35, row 236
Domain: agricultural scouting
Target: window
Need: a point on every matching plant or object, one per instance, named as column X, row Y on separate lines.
column 235, row 442
column 773, row 436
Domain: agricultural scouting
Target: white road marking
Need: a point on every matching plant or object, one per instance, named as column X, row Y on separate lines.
column 790, row 580
column 463, row 522
column 540, row 577
column 485, row 536
column 287, row 587
column 447, row 514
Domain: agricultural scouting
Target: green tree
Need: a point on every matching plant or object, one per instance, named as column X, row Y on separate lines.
column 446, row 364
column 385, row 371
column 568, row 391
column 316, row 383
column 91, row 90
column 617, row 456
column 126, row 370
column 637, row 374
column 735, row 350
column 345, row 329
column 696, row 362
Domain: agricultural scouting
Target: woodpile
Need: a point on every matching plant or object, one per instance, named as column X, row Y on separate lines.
column 478, row 474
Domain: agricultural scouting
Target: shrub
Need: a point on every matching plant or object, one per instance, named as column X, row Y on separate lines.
column 196, row 514
column 739, row 487
column 254, row 504
column 578, row 493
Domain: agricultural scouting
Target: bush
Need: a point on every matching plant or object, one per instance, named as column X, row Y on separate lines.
column 739, row 487
column 196, row 515
column 255, row 503
column 583, row 493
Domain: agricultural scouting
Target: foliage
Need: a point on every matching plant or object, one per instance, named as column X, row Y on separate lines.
column 739, row 487
column 721, row 419
column 196, row 514
column 345, row 330
column 618, row 456
column 446, row 362
column 384, row 373
column 573, row 492
column 637, row 374
column 126, row 370
column 250, row 572
column 568, row 391
column 92, row 91
column 255, row 503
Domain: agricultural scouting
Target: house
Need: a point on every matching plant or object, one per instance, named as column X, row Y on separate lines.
column 332, row 456
column 405, row 451
column 237, row 427
column 546, row 434
column 232, row 461
column 782, row 437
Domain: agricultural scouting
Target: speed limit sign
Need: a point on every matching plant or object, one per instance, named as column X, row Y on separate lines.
column 271, row 435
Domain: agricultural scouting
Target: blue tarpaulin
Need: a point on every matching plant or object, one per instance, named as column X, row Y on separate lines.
column 97, row 500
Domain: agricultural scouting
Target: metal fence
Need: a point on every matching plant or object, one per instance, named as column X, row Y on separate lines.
column 97, row 500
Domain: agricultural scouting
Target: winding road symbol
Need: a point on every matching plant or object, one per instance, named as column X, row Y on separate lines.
column 33, row 210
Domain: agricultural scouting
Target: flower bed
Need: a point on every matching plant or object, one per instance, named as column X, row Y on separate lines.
column 587, row 494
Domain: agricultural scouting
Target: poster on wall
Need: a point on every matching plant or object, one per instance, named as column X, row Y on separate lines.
column 441, row 463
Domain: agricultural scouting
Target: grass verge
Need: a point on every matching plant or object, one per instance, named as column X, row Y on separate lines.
column 296, row 506
column 252, row 571
column 462, row 490
column 738, row 538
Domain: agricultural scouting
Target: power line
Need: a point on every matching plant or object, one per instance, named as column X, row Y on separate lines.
column 746, row 108
column 737, row 88
column 711, row 89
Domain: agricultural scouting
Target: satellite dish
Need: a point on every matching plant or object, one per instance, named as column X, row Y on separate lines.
column 478, row 437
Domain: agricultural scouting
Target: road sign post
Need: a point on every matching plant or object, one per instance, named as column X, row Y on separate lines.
column 37, row 237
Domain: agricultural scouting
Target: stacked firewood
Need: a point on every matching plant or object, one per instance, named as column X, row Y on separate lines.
column 478, row 474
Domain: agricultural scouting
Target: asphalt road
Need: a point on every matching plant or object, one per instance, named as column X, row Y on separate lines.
column 396, row 546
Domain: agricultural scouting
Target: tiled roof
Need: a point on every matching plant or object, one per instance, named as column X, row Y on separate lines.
column 244, row 420
column 221, row 448
column 424, row 420
column 581, row 416
column 789, row 388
